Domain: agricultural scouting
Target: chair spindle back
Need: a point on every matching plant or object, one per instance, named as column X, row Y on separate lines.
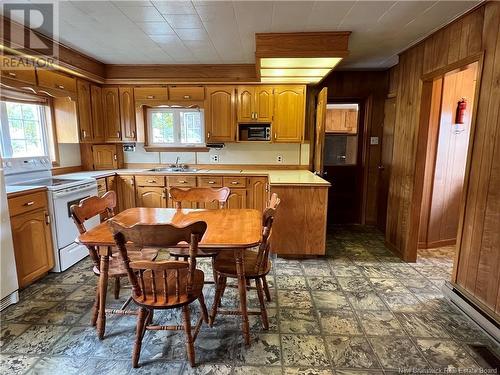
column 267, row 223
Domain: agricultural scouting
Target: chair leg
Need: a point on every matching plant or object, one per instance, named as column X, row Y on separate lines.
column 213, row 270
column 263, row 312
column 139, row 334
column 222, row 292
column 117, row 287
column 95, row 308
column 221, row 283
column 189, row 336
column 150, row 317
column 266, row 289
column 203, row 306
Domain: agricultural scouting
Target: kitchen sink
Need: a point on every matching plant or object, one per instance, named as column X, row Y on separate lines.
column 173, row 169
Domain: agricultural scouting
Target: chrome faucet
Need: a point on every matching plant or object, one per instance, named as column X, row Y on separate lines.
column 177, row 162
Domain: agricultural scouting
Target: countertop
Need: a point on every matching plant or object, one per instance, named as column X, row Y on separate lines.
column 276, row 177
column 12, row 189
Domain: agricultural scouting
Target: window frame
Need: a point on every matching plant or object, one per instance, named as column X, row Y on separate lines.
column 177, row 146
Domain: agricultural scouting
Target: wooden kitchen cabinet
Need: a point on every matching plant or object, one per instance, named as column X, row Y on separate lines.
column 54, row 80
column 341, row 121
column 32, row 237
column 84, row 111
column 111, row 111
column 257, row 193
column 126, row 192
column 151, row 196
column 220, row 114
column 97, row 114
column 104, row 157
column 255, row 104
column 237, row 199
column 127, row 114
column 289, row 114
column 18, row 77
column 181, row 93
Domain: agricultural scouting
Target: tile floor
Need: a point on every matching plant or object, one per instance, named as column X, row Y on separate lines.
column 360, row 310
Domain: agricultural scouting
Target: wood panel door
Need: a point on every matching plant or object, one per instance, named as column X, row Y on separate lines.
column 246, row 103
column 258, row 190
column 97, row 114
column 111, row 110
column 264, row 108
column 33, row 249
column 289, row 112
column 104, row 157
column 220, row 114
column 237, row 199
column 386, row 160
column 149, row 196
column 126, row 192
column 84, row 111
column 319, row 139
column 127, row 114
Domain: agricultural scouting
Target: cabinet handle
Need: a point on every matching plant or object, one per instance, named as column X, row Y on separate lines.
column 12, row 74
column 150, row 97
column 234, row 182
column 133, row 133
column 275, row 136
column 208, row 135
column 211, row 182
column 181, row 181
column 60, row 87
column 115, row 157
column 30, row 203
column 47, row 218
column 187, row 97
column 84, row 134
column 151, row 181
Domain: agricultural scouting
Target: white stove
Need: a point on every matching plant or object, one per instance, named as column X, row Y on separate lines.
column 62, row 194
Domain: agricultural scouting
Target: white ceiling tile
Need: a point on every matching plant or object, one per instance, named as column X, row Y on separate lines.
column 363, row 14
column 184, row 21
column 130, row 3
column 203, row 51
column 156, row 28
column 327, row 15
column 174, row 7
column 192, row 34
column 142, row 14
column 289, row 16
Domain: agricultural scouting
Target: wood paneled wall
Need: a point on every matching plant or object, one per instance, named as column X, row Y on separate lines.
column 370, row 86
column 478, row 259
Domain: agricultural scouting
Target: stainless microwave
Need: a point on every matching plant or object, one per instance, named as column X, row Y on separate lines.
column 255, row 132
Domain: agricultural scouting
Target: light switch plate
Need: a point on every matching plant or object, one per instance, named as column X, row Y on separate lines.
column 374, row 140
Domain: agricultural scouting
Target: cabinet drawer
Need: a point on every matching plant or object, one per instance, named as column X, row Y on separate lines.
column 53, row 80
column 150, row 93
column 182, row 181
column 150, row 180
column 28, row 202
column 25, row 75
column 208, row 181
column 186, row 92
column 235, row 182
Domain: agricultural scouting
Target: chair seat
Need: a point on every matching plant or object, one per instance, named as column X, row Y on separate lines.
column 172, row 301
column 184, row 252
column 225, row 264
column 116, row 266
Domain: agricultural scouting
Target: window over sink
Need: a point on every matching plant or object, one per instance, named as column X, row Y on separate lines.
column 175, row 127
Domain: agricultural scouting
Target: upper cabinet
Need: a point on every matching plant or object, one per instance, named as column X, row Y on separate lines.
column 289, row 114
column 220, row 114
column 255, row 103
column 341, row 120
column 181, row 93
column 55, row 81
column 111, row 111
column 84, row 111
column 127, row 114
column 97, row 113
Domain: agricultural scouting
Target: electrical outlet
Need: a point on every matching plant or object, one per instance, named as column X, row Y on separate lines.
column 214, row 158
column 279, row 159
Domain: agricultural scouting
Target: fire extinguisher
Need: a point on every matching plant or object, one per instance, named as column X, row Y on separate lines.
column 460, row 114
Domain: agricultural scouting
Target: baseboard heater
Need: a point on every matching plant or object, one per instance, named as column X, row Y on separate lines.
column 469, row 308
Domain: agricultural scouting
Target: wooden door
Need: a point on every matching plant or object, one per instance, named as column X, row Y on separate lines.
column 220, row 114
column 386, row 160
column 237, row 199
column 289, row 110
column 246, row 103
column 126, row 192
column 264, row 103
column 319, row 140
column 97, row 114
column 127, row 114
column 104, row 157
column 84, row 111
column 111, row 110
column 257, row 193
column 151, row 196
column 33, row 249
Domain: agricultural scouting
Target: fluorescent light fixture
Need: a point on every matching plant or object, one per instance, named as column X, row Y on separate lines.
column 299, row 62
column 291, row 79
column 300, row 72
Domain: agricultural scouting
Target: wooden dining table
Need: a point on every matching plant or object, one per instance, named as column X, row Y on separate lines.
column 227, row 230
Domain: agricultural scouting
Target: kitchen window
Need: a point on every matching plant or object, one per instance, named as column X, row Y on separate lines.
column 25, row 130
column 175, row 127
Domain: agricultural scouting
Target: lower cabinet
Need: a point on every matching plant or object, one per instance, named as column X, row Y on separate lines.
column 32, row 237
column 151, row 196
column 126, row 192
column 237, row 199
column 258, row 193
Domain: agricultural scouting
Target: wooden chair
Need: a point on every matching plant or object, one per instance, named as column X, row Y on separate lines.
column 257, row 266
column 166, row 284
column 104, row 206
column 197, row 195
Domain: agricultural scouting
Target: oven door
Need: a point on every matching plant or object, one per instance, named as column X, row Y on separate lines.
column 66, row 231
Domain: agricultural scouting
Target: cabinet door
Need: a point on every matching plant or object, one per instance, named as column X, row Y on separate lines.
column 153, row 197
column 257, row 193
column 237, row 199
column 264, row 103
column 97, row 113
column 32, row 245
column 220, row 115
column 104, row 157
column 111, row 110
column 351, row 121
column 127, row 114
column 246, row 103
column 126, row 192
column 289, row 110
column 84, row 111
